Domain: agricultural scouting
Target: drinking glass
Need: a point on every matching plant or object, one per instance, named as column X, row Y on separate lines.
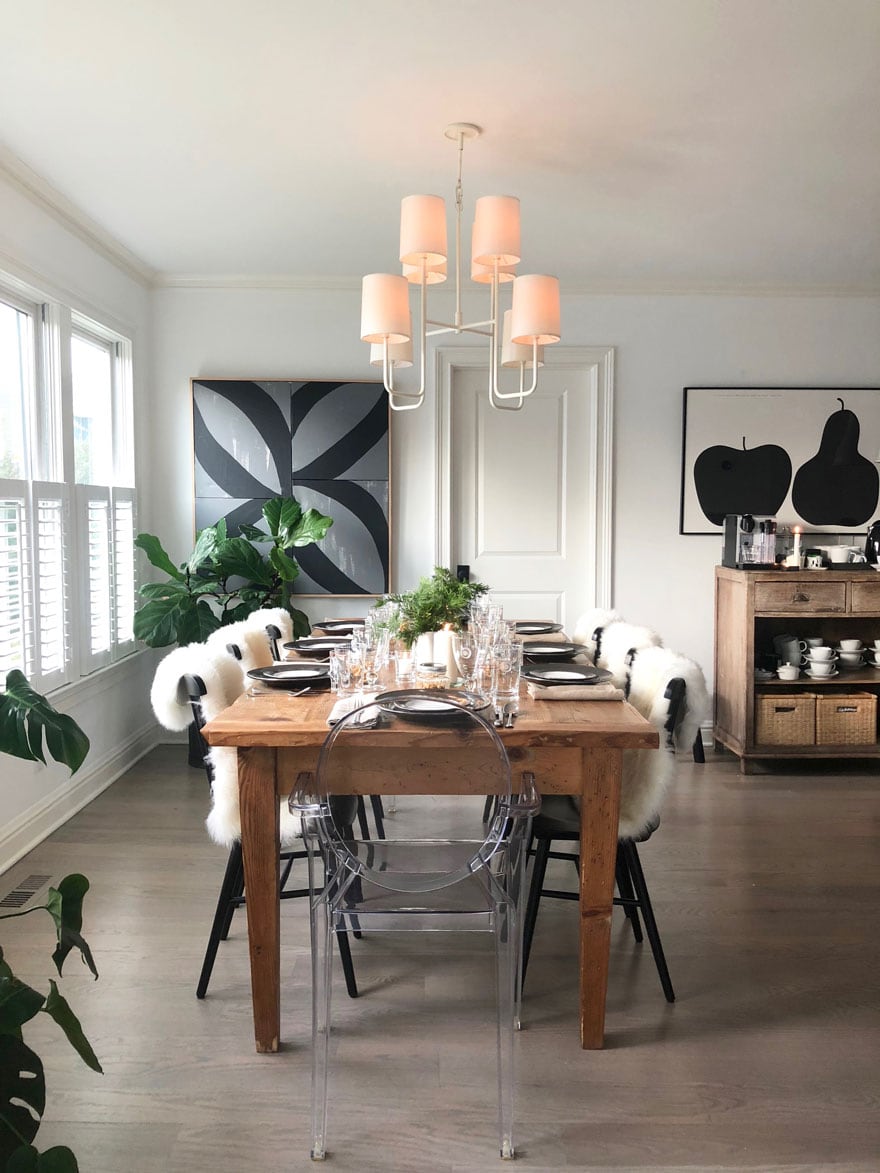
column 340, row 671
column 506, row 667
column 465, row 646
column 404, row 664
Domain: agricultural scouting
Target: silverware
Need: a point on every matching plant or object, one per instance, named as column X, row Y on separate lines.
column 301, row 692
column 510, row 714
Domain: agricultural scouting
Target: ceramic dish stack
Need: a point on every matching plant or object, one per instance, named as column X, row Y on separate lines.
column 318, row 647
column 821, row 662
column 563, row 673
column 536, row 651
column 851, row 655
column 293, row 674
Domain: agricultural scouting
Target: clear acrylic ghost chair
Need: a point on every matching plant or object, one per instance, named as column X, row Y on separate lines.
column 443, row 869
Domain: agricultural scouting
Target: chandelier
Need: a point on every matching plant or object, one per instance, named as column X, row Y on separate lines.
column 531, row 323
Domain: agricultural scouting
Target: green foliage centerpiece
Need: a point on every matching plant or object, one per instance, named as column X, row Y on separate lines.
column 437, row 602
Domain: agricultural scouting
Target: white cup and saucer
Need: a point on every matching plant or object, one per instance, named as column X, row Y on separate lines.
column 821, row 662
column 852, row 653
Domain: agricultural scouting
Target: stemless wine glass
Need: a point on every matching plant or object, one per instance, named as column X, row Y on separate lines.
column 506, row 667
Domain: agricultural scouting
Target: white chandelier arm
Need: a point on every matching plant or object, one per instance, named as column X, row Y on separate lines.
column 388, row 382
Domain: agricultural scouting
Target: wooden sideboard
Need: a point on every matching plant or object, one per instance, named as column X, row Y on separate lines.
column 753, row 606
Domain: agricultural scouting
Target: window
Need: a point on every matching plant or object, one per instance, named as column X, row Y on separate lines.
column 67, row 499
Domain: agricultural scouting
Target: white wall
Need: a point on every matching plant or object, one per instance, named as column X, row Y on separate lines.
column 663, row 343
column 36, row 248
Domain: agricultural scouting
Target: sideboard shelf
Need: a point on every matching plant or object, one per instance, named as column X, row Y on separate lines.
column 751, row 607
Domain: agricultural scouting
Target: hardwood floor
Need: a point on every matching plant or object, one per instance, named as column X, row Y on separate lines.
column 766, row 892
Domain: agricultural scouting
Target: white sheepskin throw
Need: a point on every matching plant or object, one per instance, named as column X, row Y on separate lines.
column 652, row 670
column 223, row 680
column 221, row 676
column 260, row 620
column 587, row 624
column 647, row 773
column 252, row 643
column 617, row 639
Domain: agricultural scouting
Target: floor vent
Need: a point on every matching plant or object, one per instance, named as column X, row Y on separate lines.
column 20, row 895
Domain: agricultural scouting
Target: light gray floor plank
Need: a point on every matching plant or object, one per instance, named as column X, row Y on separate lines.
column 766, row 892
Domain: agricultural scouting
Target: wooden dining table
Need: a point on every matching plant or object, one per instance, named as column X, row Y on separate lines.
column 572, row 747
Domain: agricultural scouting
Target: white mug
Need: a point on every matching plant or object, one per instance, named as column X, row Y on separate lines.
column 822, row 667
column 813, row 562
column 850, row 645
column 821, row 653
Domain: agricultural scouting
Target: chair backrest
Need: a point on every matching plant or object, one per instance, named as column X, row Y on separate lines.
column 249, row 646
column 434, row 844
column 616, row 642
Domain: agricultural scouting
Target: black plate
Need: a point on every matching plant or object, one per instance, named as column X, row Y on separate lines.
column 319, row 646
column 536, row 627
column 440, row 704
column 292, row 674
column 339, row 626
column 539, row 651
column 552, row 675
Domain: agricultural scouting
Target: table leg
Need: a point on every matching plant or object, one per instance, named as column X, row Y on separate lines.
column 600, row 808
column 259, row 844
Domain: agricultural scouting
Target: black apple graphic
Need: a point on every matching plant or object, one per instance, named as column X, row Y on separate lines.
column 747, row 480
column 838, row 486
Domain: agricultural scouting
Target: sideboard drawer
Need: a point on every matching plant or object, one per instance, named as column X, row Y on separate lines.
column 866, row 596
column 794, row 597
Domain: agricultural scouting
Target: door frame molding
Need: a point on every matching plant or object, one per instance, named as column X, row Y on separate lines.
column 598, row 364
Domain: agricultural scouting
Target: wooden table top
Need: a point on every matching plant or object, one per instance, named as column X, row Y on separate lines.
column 277, row 718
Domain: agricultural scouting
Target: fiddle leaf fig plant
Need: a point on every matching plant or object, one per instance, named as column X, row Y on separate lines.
column 24, row 717
column 227, row 577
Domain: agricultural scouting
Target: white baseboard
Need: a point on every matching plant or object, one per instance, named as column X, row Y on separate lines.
column 33, row 825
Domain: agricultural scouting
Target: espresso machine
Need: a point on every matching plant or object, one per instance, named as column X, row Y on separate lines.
column 872, row 544
column 749, row 542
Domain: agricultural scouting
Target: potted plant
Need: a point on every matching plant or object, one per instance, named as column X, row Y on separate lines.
column 440, row 601
column 25, row 718
column 226, row 578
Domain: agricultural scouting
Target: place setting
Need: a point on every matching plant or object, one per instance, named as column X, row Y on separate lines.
column 318, row 647
column 288, row 674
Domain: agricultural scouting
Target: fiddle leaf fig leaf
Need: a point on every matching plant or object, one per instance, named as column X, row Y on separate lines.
column 253, row 533
column 205, row 547
column 284, row 564
column 282, row 516
column 58, row 1009
column 311, row 527
column 238, row 557
column 25, row 716
column 154, row 550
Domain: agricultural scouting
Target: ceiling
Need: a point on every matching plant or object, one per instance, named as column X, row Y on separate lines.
column 655, row 144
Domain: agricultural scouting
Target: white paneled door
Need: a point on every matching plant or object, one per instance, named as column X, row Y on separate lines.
column 528, row 491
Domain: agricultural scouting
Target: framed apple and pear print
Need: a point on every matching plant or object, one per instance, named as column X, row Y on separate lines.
column 808, row 456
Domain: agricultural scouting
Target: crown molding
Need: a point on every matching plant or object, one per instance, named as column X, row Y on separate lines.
column 71, row 217
column 594, row 288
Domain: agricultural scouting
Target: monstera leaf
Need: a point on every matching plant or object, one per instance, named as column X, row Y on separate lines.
column 25, row 717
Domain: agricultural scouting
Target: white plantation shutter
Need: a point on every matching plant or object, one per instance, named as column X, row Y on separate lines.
column 34, row 587
column 123, row 570
column 16, row 615
column 106, row 534
column 52, row 586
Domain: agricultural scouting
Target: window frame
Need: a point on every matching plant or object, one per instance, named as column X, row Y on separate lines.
column 51, row 473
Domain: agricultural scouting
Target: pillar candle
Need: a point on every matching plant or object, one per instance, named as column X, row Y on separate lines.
column 425, row 648
column 444, row 653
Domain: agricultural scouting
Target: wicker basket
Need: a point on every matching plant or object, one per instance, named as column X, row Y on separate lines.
column 846, row 720
column 789, row 719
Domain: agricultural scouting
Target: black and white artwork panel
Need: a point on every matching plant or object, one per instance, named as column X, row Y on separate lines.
column 240, row 429
column 339, row 431
column 353, row 557
column 809, row 456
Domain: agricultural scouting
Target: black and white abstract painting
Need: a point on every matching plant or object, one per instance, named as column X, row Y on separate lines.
column 324, row 443
column 809, row 456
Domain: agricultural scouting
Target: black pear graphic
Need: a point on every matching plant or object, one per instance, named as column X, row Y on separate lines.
column 747, row 480
column 838, row 486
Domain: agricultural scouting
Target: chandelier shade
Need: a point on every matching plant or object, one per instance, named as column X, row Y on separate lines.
column 400, row 354
column 385, row 309
column 496, row 235
column 485, row 274
column 434, row 274
column 515, row 353
column 535, row 314
column 422, row 229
